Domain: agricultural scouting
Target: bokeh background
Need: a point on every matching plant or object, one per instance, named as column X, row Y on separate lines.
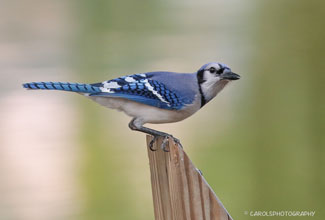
column 260, row 143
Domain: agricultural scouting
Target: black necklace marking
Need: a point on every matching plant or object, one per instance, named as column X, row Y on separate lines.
column 200, row 80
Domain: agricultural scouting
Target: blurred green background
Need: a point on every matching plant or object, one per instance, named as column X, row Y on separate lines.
column 260, row 143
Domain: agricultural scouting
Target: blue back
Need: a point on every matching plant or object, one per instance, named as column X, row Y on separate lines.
column 166, row 90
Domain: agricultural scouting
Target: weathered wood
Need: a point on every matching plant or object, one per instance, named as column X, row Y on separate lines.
column 179, row 190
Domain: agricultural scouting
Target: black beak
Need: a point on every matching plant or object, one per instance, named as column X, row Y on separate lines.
column 230, row 76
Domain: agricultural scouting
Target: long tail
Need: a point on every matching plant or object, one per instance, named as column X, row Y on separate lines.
column 72, row 87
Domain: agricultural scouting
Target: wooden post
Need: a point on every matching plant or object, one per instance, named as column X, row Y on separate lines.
column 179, row 190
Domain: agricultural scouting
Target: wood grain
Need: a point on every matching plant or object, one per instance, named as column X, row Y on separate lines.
column 179, row 190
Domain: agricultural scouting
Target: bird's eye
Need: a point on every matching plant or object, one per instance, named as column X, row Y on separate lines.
column 212, row 70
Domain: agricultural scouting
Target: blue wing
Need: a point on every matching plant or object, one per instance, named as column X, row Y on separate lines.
column 143, row 89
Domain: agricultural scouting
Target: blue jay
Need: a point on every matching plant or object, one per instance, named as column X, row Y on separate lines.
column 153, row 97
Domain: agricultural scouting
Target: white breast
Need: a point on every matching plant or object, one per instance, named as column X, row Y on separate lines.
column 145, row 113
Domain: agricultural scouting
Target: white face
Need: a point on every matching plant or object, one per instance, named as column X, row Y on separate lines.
column 213, row 77
column 213, row 71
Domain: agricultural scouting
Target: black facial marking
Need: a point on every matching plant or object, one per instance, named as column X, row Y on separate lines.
column 220, row 71
column 200, row 76
column 200, row 80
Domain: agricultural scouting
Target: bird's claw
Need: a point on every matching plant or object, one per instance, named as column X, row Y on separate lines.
column 152, row 142
column 163, row 145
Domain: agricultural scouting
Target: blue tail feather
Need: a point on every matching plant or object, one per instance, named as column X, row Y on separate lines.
column 72, row 87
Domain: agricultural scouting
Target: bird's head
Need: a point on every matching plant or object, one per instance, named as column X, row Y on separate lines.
column 212, row 78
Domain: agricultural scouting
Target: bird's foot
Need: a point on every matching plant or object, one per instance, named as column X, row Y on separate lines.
column 163, row 145
column 152, row 142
